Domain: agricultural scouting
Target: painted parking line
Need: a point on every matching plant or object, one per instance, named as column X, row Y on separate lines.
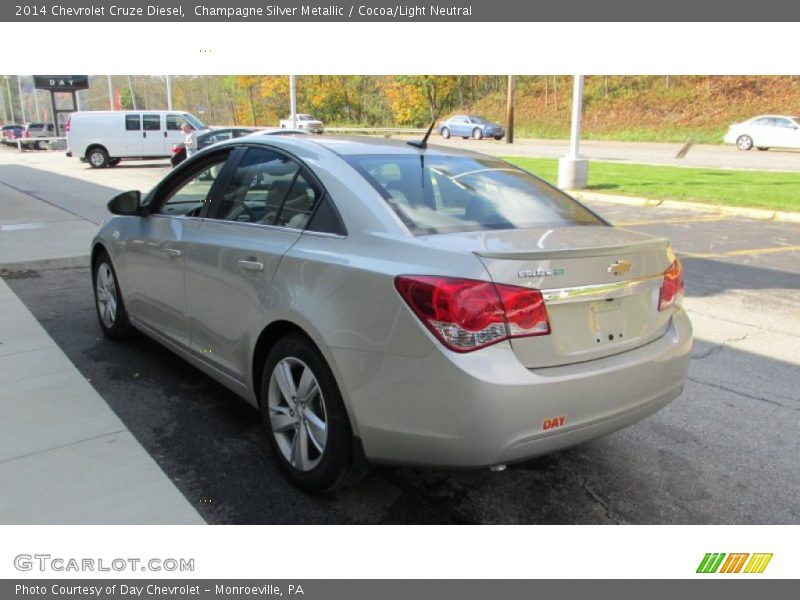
column 671, row 221
column 746, row 252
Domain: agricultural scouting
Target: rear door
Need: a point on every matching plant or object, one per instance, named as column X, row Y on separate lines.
column 250, row 227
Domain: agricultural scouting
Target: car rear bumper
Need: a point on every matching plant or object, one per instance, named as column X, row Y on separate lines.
column 485, row 408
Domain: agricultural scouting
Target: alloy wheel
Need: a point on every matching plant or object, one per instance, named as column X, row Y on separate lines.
column 297, row 413
column 106, row 294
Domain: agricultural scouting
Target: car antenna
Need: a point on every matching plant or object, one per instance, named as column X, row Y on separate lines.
column 424, row 142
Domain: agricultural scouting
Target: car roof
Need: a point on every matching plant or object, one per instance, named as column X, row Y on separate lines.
column 356, row 145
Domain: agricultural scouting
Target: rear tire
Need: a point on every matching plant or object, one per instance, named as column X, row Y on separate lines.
column 477, row 134
column 763, row 148
column 305, row 418
column 108, row 299
column 498, row 137
column 744, row 142
column 97, row 157
column 113, row 162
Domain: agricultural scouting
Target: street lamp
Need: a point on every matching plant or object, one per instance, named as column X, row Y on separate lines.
column 573, row 169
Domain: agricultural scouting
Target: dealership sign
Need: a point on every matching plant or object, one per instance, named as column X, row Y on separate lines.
column 61, row 83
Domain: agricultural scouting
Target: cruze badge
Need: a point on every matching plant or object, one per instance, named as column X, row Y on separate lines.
column 528, row 273
column 619, row 267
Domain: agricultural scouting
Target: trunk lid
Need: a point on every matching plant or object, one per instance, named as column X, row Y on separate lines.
column 601, row 286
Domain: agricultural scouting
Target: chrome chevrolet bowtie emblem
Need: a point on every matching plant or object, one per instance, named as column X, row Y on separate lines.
column 619, row 267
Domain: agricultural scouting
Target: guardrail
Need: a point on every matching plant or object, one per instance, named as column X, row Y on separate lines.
column 374, row 130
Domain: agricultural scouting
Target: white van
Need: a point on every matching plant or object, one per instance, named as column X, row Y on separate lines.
column 103, row 138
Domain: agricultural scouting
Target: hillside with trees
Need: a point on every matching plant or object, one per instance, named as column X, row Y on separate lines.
column 657, row 108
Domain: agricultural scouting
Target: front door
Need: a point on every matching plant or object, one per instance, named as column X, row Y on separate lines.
column 155, row 260
column 154, row 136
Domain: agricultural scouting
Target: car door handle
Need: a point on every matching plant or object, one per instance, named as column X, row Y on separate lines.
column 251, row 265
column 172, row 252
column 165, row 134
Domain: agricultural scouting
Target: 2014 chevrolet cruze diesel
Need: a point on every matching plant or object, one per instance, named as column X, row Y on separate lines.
column 386, row 303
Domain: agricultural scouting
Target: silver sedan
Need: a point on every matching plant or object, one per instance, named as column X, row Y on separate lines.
column 382, row 302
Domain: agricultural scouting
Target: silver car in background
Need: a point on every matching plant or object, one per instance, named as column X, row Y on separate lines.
column 386, row 303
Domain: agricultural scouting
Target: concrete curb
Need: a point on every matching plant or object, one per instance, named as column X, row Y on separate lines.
column 734, row 211
column 46, row 264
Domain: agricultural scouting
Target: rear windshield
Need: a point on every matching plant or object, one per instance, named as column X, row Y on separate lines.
column 446, row 194
column 194, row 121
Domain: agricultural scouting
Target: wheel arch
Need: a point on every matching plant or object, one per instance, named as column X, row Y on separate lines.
column 92, row 146
column 267, row 339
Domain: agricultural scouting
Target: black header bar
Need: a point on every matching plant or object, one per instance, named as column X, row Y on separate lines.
column 132, row 11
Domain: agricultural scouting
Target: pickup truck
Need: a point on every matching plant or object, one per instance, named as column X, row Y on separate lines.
column 304, row 122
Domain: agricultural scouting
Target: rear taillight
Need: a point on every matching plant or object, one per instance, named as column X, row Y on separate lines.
column 176, row 148
column 466, row 314
column 26, row 134
column 672, row 289
column 66, row 128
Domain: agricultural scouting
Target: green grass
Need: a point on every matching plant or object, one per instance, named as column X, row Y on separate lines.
column 664, row 134
column 755, row 189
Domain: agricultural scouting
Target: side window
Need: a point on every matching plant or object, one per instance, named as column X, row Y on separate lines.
column 258, row 188
column 326, row 219
column 174, row 122
column 151, row 122
column 300, row 202
column 785, row 123
column 188, row 196
column 761, row 122
column 133, row 122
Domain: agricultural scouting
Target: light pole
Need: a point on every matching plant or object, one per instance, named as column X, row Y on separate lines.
column 573, row 169
column 21, row 100
column 110, row 93
column 169, row 93
column 293, row 101
column 10, row 103
column 3, row 100
column 510, row 111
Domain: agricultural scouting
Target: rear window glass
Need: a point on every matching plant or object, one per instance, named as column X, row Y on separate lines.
column 445, row 194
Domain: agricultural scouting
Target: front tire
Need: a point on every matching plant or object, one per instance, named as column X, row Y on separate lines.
column 445, row 133
column 477, row 134
column 305, row 418
column 108, row 299
column 744, row 142
column 97, row 158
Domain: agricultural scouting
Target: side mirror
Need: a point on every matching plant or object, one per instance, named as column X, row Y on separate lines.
column 126, row 203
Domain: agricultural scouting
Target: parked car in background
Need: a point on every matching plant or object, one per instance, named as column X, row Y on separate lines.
column 11, row 133
column 220, row 135
column 103, row 138
column 304, row 122
column 32, row 131
column 765, row 132
column 207, row 138
column 471, row 126
column 385, row 303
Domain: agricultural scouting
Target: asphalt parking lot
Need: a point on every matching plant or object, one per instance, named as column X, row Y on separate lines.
column 725, row 452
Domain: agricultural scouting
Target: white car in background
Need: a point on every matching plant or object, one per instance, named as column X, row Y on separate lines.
column 765, row 132
column 304, row 122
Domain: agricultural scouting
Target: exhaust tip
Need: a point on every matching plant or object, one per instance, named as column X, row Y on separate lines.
column 497, row 468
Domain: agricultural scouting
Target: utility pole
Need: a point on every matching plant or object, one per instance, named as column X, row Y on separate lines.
column 573, row 169
column 36, row 103
column 21, row 99
column 133, row 94
column 110, row 93
column 10, row 102
column 169, row 92
column 510, row 111
column 293, row 100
